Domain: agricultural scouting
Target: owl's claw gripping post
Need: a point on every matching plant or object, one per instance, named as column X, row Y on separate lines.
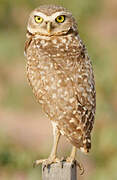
column 71, row 159
column 81, row 167
column 38, row 162
column 46, row 162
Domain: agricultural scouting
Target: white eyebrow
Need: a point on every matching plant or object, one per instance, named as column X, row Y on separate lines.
column 53, row 16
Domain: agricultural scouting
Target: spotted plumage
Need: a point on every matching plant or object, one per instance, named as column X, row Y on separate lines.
column 60, row 73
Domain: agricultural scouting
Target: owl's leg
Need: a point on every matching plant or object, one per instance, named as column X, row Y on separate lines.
column 52, row 158
column 55, row 145
column 72, row 159
column 72, row 156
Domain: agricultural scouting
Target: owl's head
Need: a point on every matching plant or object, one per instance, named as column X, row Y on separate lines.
column 51, row 20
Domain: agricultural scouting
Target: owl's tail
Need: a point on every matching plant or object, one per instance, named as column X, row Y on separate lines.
column 84, row 144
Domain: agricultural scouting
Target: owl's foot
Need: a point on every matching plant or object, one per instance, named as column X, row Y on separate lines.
column 46, row 162
column 80, row 166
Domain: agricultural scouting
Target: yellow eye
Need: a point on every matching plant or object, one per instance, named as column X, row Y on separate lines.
column 38, row 19
column 60, row 19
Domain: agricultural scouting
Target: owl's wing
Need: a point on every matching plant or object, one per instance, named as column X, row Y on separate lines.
column 79, row 76
column 86, row 95
column 27, row 43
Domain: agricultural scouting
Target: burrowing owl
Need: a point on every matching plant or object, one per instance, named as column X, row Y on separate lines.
column 60, row 73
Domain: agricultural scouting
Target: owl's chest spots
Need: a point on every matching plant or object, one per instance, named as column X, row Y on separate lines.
column 62, row 50
column 53, row 59
column 58, row 47
column 51, row 86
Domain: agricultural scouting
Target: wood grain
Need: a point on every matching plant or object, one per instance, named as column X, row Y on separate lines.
column 60, row 171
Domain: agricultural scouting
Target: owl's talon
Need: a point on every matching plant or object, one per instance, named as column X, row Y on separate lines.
column 80, row 166
column 37, row 162
column 46, row 162
column 62, row 160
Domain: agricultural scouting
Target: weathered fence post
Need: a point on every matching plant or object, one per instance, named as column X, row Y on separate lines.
column 60, row 171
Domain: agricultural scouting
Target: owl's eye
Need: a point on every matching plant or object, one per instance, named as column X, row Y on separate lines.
column 60, row 19
column 38, row 19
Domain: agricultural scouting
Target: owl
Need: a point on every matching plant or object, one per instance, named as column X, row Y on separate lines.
column 60, row 74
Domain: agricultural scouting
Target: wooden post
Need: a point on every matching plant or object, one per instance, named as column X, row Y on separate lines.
column 60, row 171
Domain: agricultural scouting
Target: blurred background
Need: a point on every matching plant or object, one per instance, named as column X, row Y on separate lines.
column 25, row 132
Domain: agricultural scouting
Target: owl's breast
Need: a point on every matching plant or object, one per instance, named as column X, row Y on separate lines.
column 57, row 72
column 57, row 47
column 50, row 83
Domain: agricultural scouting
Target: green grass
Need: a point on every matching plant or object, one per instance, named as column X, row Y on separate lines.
column 15, row 158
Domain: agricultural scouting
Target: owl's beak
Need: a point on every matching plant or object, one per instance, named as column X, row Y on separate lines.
column 49, row 26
